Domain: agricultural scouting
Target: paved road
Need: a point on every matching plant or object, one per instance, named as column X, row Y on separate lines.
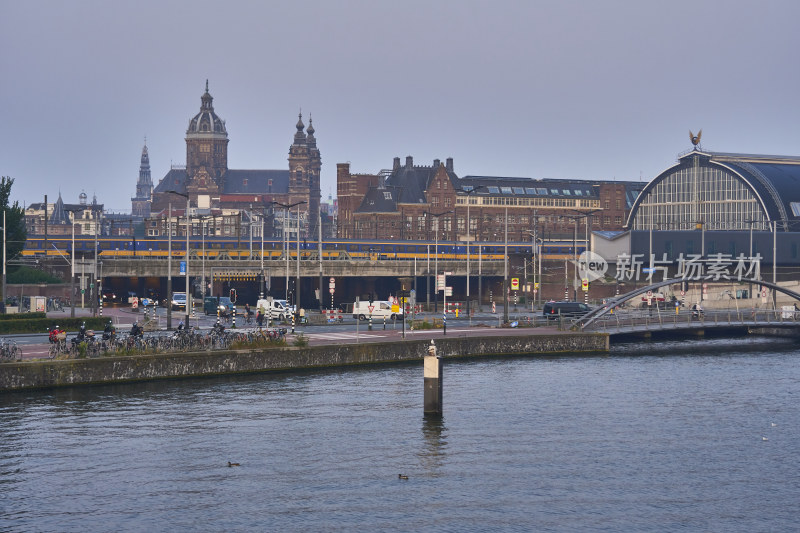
column 35, row 346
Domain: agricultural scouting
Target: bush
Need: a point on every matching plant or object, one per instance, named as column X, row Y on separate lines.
column 26, row 274
column 300, row 340
column 23, row 316
column 41, row 325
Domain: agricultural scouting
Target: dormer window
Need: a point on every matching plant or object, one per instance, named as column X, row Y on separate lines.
column 387, row 195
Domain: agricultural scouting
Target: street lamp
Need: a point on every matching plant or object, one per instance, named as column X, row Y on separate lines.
column 436, row 259
column 4, row 258
column 287, row 207
column 469, row 193
column 169, row 267
column 188, row 288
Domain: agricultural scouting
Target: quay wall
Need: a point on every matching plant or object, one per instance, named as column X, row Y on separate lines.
column 117, row 369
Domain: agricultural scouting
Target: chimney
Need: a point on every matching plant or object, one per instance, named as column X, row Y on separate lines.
column 409, row 161
column 396, row 165
column 436, row 164
column 449, row 164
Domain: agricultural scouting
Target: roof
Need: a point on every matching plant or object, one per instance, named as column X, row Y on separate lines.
column 509, row 186
column 775, row 180
column 236, row 181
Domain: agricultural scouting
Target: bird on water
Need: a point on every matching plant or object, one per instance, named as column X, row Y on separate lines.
column 230, row 464
column 402, row 476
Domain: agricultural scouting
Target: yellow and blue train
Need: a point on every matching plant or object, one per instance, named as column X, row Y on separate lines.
column 213, row 247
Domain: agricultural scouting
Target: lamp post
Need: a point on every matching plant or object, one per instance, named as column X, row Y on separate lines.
column 436, row 258
column 505, row 272
column 287, row 207
column 71, row 279
column 169, row 267
column 4, row 258
column 188, row 287
column 469, row 194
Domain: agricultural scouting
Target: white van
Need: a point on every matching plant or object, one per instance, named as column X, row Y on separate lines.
column 280, row 309
column 380, row 309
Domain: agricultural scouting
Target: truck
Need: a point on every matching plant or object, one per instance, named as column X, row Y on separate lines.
column 380, row 309
column 279, row 309
column 220, row 305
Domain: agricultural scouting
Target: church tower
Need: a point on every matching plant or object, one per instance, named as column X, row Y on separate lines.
column 206, row 151
column 304, row 169
column 140, row 204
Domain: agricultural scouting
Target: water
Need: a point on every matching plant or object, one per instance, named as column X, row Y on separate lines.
column 670, row 441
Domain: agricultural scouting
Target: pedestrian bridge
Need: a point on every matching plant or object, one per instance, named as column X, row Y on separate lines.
column 628, row 314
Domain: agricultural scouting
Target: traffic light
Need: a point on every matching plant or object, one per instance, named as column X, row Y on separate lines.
column 233, row 296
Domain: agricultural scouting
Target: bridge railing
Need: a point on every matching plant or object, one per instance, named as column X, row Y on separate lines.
column 636, row 319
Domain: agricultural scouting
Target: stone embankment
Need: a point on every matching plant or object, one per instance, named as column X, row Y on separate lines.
column 117, row 369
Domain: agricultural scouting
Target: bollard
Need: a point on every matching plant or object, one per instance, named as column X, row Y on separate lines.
column 433, row 381
column 444, row 323
column 217, row 314
column 384, row 322
column 269, row 318
column 100, row 310
column 233, row 316
column 292, row 323
column 370, row 322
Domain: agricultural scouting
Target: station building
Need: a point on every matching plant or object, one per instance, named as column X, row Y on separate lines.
column 722, row 205
column 429, row 202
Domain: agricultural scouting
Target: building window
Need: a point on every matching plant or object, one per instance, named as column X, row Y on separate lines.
column 435, row 201
column 448, row 201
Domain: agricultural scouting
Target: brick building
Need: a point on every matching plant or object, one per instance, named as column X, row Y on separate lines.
column 420, row 202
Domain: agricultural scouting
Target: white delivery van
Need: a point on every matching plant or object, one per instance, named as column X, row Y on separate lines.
column 380, row 309
column 280, row 309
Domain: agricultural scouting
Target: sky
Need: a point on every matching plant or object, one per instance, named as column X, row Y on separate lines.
column 537, row 89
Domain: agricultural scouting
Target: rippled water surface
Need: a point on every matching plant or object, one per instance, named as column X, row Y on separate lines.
column 685, row 435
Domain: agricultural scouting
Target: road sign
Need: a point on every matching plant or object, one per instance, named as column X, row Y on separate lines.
column 514, row 284
column 585, row 284
column 332, row 280
column 536, row 285
column 763, row 292
column 649, row 294
column 370, row 307
column 331, row 290
column 683, row 293
column 448, row 291
column 649, row 270
column 183, row 268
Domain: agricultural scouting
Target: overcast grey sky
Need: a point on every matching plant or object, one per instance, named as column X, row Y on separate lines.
column 558, row 89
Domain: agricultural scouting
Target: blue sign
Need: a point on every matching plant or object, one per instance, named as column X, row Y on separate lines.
column 183, row 268
column 648, row 270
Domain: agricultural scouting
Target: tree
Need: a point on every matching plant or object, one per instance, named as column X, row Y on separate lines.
column 16, row 234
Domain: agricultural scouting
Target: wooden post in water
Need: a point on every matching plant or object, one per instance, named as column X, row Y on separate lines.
column 433, row 382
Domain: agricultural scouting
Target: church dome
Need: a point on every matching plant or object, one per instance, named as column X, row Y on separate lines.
column 206, row 121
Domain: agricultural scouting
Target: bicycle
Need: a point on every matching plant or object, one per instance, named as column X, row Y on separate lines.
column 8, row 351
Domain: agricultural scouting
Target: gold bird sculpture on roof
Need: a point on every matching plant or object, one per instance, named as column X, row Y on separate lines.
column 695, row 138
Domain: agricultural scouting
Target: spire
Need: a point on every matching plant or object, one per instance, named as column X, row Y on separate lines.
column 206, row 100
column 311, row 140
column 300, row 137
column 59, row 215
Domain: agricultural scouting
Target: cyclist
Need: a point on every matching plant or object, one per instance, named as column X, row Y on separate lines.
column 53, row 336
column 136, row 330
column 109, row 331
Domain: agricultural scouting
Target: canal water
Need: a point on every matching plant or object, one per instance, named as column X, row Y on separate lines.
column 686, row 435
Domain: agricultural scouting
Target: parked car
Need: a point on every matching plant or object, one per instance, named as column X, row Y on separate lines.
column 279, row 309
column 380, row 309
column 178, row 301
column 552, row 310
column 217, row 304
